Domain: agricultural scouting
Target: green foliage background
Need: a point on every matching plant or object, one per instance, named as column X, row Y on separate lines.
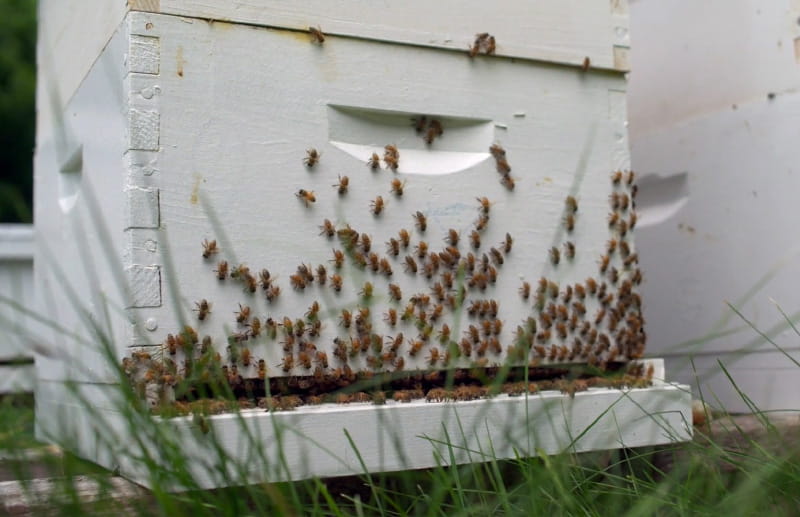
column 17, row 108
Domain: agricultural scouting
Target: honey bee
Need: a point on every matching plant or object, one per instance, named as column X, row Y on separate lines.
column 555, row 255
column 591, row 286
column 273, row 292
column 525, row 290
column 632, row 220
column 481, row 222
column 586, row 63
column 246, row 357
column 288, row 362
column 569, row 222
column 338, row 260
column 316, row 35
column 616, row 177
column 421, row 249
column 336, row 282
column 313, row 311
column 497, row 257
column 385, row 267
column 240, row 271
column 222, row 270
column 366, row 292
column 434, row 356
column 393, row 247
column 203, row 309
column 251, row 283
column 322, row 274
column 343, row 185
column 604, row 261
column 374, row 161
column 391, row 156
column 491, row 45
column 415, row 347
column 392, row 161
column 475, row 239
column 304, row 359
column 312, row 157
column 497, row 151
column 262, row 369
column 307, row 196
column 421, row 221
column 569, row 250
column 622, row 227
column 298, row 281
column 507, row 243
column 572, row 204
column 243, row 315
column 209, row 248
column 395, row 293
column 321, row 359
column 630, row 177
column 502, row 165
column 485, row 204
column 411, row 264
column 377, row 205
column 508, row 182
column 397, row 187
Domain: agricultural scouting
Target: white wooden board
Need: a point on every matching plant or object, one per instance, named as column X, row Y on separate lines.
column 551, row 30
column 17, row 378
column 312, row 441
column 16, row 288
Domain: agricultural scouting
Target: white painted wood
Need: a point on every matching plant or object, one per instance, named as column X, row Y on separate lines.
column 395, row 436
column 71, row 36
column 717, row 157
column 550, row 30
column 224, row 146
column 15, row 378
column 681, row 63
column 16, row 288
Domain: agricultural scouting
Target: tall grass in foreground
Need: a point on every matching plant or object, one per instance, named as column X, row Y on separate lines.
column 701, row 477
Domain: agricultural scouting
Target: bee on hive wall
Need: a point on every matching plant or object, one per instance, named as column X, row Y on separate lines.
column 312, row 157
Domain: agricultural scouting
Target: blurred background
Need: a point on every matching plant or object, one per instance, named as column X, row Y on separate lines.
column 17, row 108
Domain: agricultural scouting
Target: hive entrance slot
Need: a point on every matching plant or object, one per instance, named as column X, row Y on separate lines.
column 462, row 144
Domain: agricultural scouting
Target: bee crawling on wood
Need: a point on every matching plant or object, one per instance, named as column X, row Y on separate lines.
column 209, row 248
column 377, row 205
column 344, row 183
column 391, row 156
column 316, row 35
column 307, row 196
column 203, row 309
column 374, row 161
column 312, row 157
column 397, row 187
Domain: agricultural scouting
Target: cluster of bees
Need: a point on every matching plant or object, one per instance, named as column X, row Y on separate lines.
column 408, row 339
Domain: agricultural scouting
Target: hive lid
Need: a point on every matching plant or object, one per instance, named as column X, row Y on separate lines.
column 560, row 31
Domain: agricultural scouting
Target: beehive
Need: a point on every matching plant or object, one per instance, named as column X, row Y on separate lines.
column 232, row 144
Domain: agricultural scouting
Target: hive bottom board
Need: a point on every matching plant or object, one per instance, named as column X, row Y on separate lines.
column 321, row 441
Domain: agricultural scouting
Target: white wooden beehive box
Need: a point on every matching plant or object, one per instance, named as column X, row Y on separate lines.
column 188, row 128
